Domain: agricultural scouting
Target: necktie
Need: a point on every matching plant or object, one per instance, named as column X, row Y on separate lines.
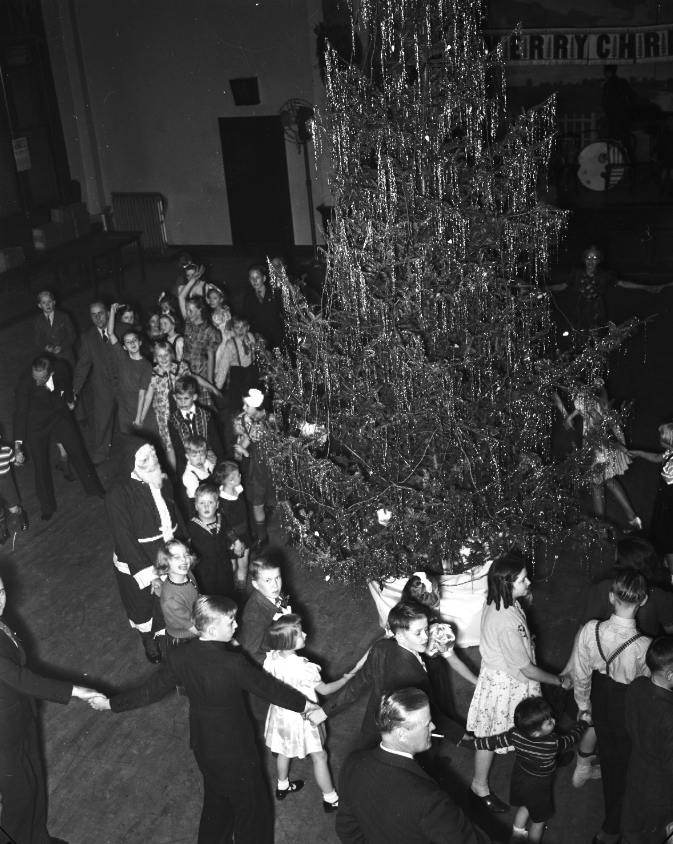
column 106, row 339
column 279, row 602
column 11, row 635
column 191, row 423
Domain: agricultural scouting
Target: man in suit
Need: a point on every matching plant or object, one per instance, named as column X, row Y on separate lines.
column 399, row 663
column 648, row 802
column 44, row 399
column 96, row 351
column 55, row 337
column 235, row 800
column 22, row 784
column 53, row 331
column 385, row 797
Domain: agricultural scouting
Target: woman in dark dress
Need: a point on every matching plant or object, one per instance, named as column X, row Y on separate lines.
column 591, row 280
column 263, row 309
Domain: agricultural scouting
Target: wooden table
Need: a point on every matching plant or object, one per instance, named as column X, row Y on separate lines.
column 86, row 252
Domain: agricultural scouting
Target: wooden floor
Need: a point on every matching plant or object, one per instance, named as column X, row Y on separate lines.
column 131, row 778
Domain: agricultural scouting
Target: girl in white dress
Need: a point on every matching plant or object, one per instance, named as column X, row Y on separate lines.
column 287, row 733
column 611, row 458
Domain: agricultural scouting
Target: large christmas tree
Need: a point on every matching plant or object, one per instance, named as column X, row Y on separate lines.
column 419, row 403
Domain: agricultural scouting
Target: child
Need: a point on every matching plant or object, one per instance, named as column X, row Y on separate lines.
column 661, row 527
column 169, row 328
column 190, row 420
column 9, row 499
column 159, row 394
column 177, row 591
column 237, row 365
column 608, row 656
column 266, row 603
column 199, row 465
column 536, row 747
column 235, row 512
column 611, row 459
column 222, row 321
column 287, row 733
column 216, row 545
column 252, row 428
column 134, row 374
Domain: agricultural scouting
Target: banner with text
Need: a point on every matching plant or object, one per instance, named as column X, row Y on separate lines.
column 584, row 46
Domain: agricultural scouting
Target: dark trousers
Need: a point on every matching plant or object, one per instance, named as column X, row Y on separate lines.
column 614, row 744
column 61, row 431
column 641, row 824
column 104, row 404
column 142, row 607
column 22, row 786
column 235, row 801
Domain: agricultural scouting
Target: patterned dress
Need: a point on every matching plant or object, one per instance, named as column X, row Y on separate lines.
column 609, row 460
column 499, row 690
column 163, row 384
column 199, row 340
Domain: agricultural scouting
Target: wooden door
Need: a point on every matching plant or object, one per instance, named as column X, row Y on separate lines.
column 255, row 169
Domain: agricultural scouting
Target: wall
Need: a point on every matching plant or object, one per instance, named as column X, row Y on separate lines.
column 143, row 99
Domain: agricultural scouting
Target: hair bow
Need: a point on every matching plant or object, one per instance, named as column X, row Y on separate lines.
column 425, row 580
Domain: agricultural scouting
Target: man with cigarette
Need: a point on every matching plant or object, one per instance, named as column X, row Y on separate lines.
column 385, row 797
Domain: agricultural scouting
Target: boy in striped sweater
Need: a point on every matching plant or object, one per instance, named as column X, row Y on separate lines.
column 9, row 499
column 536, row 747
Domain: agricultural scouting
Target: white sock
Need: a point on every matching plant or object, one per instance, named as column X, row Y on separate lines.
column 480, row 790
column 332, row 797
column 519, row 830
column 283, row 785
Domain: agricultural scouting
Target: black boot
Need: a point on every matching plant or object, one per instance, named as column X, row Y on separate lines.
column 4, row 531
column 22, row 516
column 152, row 649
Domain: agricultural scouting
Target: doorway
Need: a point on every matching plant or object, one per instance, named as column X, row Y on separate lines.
column 258, row 189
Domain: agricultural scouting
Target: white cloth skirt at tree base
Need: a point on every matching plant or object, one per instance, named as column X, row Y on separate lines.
column 495, row 698
column 462, row 598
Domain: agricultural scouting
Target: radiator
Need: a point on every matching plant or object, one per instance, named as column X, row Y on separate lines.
column 141, row 212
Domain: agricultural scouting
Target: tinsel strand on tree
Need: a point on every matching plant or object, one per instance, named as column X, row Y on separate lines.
column 419, row 403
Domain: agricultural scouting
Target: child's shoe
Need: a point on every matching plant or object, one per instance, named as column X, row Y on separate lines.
column 295, row 785
column 330, row 806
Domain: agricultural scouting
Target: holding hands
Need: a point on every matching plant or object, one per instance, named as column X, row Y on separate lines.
column 567, row 681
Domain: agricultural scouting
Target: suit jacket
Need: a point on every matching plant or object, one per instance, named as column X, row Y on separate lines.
column 214, row 678
column 94, row 352
column 649, row 723
column 390, row 667
column 18, row 689
column 255, row 621
column 389, row 799
column 36, row 408
column 61, row 333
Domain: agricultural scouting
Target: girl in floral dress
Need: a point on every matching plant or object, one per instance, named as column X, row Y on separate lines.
column 508, row 672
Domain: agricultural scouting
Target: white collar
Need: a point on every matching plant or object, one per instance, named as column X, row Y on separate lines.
column 187, row 413
column 395, row 752
column 50, row 383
